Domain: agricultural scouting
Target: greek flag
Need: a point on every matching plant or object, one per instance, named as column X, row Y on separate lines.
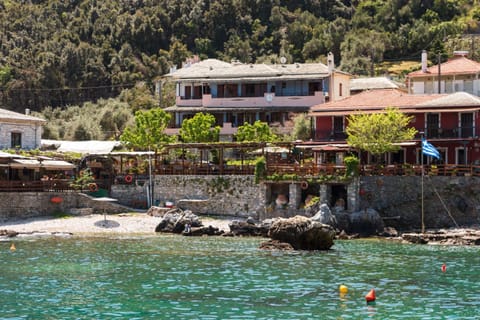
column 429, row 150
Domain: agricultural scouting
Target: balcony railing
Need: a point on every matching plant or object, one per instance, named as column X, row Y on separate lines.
column 435, row 133
column 268, row 99
column 35, row 186
column 455, row 132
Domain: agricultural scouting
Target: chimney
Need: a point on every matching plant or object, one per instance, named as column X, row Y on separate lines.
column 424, row 60
column 27, row 112
column 330, row 62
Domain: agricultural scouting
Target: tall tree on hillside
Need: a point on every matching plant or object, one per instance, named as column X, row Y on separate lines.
column 378, row 133
column 361, row 49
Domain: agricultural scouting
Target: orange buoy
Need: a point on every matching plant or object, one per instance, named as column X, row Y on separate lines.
column 444, row 267
column 56, row 199
column 370, row 297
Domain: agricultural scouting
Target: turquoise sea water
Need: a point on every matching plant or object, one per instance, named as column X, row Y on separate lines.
column 175, row 277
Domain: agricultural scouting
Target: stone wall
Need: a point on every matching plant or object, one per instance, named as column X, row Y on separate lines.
column 39, row 204
column 448, row 201
column 221, row 195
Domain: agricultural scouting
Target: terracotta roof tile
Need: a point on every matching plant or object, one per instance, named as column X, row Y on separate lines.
column 380, row 99
column 377, row 100
column 455, row 65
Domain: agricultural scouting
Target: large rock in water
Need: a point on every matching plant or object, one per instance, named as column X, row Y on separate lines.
column 247, row 228
column 303, row 233
column 366, row 222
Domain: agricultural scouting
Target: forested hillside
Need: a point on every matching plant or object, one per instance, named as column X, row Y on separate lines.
column 57, row 53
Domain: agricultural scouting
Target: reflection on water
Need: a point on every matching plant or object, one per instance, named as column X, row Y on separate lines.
column 162, row 277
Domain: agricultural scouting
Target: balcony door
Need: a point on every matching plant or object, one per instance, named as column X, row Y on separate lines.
column 466, row 125
column 338, row 127
column 433, row 124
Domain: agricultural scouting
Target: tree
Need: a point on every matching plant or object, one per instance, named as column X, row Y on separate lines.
column 361, row 49
column 148, row 131
column 256, row 132
column 200, row 128
column 377, row 133
column 301, row 127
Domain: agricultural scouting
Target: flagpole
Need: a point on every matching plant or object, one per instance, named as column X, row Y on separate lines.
column 423, row 211
column 423, row 173
column 428, row 150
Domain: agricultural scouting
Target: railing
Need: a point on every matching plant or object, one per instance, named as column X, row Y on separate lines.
column 374, row 170
column 281, row 170
column 430, row 133
column 266, row 100
column 188, row 169
column 35, row 186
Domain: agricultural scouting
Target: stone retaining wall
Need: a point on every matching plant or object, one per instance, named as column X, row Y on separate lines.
column 448, row 201
column 222, row 195
column 397, row 199
column 38, row 204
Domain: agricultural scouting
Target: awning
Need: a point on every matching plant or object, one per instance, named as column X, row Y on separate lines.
column 57, row 165
column 25, row 163
column 272, row 149
column 10, row 156
column 330, row 148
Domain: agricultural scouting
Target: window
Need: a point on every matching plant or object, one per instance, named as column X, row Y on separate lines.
column 314, row 87
column 206, row 88
column 16, row 140
column 340, row 89
column 249, row 90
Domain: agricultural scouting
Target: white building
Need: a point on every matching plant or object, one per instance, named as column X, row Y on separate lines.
column 20, row 131
column 457, row 74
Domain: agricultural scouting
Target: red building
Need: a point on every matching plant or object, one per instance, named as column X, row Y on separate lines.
column 448, row 121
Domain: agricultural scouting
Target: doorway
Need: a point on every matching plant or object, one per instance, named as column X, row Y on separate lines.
column 339, row 196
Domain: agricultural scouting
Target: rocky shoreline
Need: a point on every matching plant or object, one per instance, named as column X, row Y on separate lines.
column 150, row 223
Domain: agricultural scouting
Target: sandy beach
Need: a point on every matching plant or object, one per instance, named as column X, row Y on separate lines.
column 124, row 223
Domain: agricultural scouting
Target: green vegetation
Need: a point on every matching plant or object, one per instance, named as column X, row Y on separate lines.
column 312, row 202
column 148, row 133
column 257, row 132
column 57, row 53
column 378, row 133
column 351, row 164
column 84, row 179
column 302, row 128
column 260, row 169
column 244, row 162
column 200, row 128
